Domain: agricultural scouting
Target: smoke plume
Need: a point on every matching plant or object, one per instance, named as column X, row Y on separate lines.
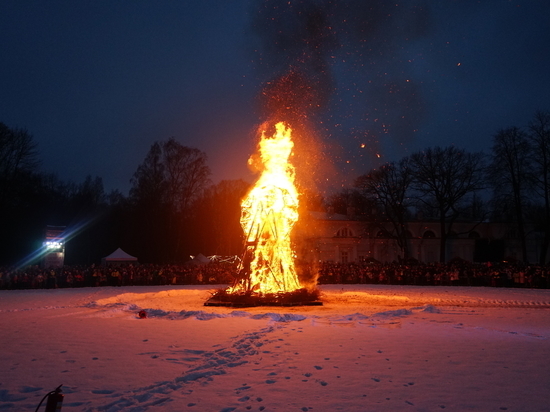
column 344, row 67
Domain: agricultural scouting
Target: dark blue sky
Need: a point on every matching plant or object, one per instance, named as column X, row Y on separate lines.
column 97, row 82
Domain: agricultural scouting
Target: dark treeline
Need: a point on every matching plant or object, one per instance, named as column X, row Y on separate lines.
column 173, row 210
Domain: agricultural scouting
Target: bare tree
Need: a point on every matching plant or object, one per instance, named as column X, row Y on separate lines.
column 510, row 174
column 164, row 186
column 18, row 156
column 186, row 173
column 539, row 137
column 348, row 202
column 388, row 187
column 443, row 178
column 148, row 182
column 17, row 151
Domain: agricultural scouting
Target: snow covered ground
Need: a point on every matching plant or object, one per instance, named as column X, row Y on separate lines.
column 368, row 348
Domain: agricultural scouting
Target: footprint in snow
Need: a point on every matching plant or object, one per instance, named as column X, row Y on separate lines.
column 5, row 396
column 144, row 397
column 195, row 352
column 102, row 391
column 243, row 388
column 28, row 389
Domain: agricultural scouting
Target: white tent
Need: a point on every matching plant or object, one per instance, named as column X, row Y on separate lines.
column 117, row 257
column 200, row 259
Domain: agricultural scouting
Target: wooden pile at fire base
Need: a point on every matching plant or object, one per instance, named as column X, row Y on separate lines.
column 299, row 297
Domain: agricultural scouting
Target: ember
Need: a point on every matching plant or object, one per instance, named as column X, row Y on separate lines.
column 267, row 274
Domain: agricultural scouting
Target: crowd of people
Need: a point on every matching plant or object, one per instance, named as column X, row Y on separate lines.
column 450, row 274
column 502, row 274
column 36, row 277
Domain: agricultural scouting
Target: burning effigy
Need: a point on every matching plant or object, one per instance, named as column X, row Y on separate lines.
column 267, row 274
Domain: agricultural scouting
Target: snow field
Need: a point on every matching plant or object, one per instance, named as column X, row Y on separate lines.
column 369, row 348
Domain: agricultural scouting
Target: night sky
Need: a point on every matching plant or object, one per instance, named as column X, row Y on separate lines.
column 97, row 82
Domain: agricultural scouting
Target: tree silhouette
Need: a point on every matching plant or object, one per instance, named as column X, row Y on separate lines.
column 18, row 165
column 387, row 186
column 442, row 179
column 510, row 175
column 539, row 137
column 164, row 186
column 18, row 158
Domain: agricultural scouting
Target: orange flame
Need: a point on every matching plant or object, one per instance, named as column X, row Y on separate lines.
column 268, row 214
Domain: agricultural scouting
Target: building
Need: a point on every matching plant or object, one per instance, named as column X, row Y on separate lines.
column 54, row 247
column 332, row 237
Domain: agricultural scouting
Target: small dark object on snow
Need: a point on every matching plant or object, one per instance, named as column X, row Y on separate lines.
column 142, row 314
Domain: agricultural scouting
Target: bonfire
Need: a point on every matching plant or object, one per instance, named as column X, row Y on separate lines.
column 267, row 272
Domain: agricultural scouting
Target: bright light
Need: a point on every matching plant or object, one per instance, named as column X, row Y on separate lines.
column 53, row 245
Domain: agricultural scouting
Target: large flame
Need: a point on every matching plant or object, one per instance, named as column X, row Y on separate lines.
column 268, row 214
